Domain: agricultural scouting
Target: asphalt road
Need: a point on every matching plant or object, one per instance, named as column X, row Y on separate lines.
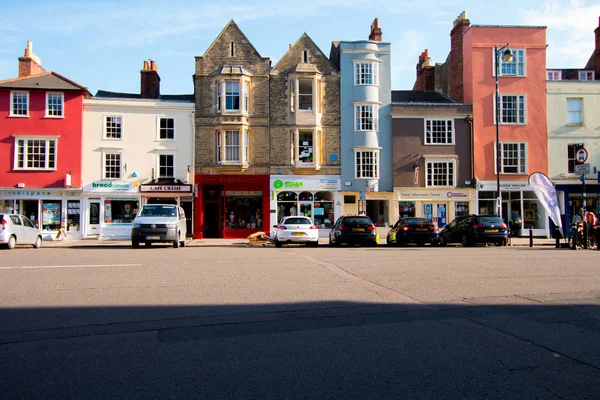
column 214, row 323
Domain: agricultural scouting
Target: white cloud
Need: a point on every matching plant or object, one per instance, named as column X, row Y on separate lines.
column 570, row 33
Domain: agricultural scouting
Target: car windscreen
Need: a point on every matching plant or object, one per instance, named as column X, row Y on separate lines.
column 413, row 221
column 297, row 221
column 159, row 211
column 489, row 220
column 357, row 221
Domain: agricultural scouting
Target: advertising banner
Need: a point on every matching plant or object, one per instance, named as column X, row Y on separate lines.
column 546, row 194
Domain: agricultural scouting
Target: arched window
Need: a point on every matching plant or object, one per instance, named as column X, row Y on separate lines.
column 324, row 196
column 306, row 196
column 287, row 196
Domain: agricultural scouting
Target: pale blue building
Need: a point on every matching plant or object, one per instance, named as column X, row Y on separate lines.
column 366, row 126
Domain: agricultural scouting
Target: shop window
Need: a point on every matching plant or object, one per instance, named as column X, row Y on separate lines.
column 406, row 209
column 462, row 209
column 306, row 196
column 287, row 205
column 73, row 215
column 349, row 199
column 534, row 214
column 243, row 210
column 120, row 211
column 324, row 196
column 51, row 212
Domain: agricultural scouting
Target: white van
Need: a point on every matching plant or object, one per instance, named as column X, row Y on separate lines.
column 159, row 223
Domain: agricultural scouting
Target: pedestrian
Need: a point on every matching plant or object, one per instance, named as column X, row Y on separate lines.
column 515, row 223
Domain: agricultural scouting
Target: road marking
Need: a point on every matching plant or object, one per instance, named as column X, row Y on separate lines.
column 72, row 266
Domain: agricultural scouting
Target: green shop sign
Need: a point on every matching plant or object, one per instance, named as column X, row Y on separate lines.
column 278, row 184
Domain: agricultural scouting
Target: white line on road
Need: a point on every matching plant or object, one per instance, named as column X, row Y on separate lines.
column 72, row 266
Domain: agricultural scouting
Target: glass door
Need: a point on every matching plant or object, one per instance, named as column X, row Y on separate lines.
column 94, row 218
column 306, row 209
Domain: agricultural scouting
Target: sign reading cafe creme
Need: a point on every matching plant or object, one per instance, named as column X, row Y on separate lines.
column 166, row 188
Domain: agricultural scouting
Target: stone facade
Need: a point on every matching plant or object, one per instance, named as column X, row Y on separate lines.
column 304, row 61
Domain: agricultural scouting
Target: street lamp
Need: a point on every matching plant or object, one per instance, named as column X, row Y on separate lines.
column 507, row 56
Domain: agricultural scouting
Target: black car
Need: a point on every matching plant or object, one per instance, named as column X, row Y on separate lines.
column 413, row 230
column 472, row 229
column 353, row 229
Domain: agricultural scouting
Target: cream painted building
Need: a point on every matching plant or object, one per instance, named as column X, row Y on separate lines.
column 573, row 125
column 136, row 151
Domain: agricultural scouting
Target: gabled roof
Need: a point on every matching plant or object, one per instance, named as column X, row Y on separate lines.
column 132, row 96
column 420, row 97
column 231, row 25
column 46, row 81
column 302, row 67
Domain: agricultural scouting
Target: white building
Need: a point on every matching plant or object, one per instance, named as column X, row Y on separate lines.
column 137, row 149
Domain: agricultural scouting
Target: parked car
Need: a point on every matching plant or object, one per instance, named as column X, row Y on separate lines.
column 472, row 229
column 17, row 229
column 353, row 229
column 159, row 223
column 296, row 230
column 413, row 230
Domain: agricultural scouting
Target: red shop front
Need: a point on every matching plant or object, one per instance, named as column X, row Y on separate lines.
column 231, row 206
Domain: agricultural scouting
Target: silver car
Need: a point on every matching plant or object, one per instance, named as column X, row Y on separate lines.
column 159, row 223
column 17, row 229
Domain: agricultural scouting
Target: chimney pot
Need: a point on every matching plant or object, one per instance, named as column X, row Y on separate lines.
column 146, row 67
column 153, row 65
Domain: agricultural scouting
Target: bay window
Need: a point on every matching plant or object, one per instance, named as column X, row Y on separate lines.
column 365, row 73
column 365, row 117
column 232, row 147
column 366, row 164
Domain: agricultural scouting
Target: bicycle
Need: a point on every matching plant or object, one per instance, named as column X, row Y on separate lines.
column 591, row 237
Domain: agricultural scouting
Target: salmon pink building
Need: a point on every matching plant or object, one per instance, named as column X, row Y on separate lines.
column 469, row 77
column 40, row 146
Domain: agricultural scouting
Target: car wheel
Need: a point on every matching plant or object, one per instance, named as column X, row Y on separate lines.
column 313, row 244
column 12, row 242
column 135, row 244
column 182, row 243
column 500, row 243
column 421, row 244
column 278, row 244
column 465, row 241
column 38, row 242
column 442, row 242
column 176, row 242
column 147, row 244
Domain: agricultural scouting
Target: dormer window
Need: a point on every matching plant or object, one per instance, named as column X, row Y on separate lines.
column 553, row 75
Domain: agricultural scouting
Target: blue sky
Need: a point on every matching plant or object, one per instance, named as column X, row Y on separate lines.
column 102, row 44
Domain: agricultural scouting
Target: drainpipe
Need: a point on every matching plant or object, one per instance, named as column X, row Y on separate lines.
column 469, row 119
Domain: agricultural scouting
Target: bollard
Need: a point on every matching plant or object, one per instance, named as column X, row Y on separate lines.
column 557, row 238
column 530, row 236
column 574, row 235
column 585, row 235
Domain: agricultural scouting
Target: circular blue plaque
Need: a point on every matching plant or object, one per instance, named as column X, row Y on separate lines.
column 333, row 157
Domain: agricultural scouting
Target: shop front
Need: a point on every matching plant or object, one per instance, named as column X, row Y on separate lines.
column 517, row 198
column 54, row 212
column 109, row 208
column 230, row 206
column 314, row 196
column 170, row 191
column 438, row 205
column 570, row 196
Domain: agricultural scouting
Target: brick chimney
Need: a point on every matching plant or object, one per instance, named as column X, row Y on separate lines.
column 150, row 81
column 425, row 73
column 375, row 31
column 461, row 24
column 30, row 64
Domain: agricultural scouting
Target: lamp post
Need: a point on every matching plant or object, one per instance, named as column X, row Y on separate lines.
column 507, row 56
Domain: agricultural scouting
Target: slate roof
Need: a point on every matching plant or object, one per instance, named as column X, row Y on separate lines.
column 420, row 97
column 165, row 97
column 46, row 81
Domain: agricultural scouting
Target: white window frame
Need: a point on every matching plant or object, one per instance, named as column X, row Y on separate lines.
column 246, row 86
column 360, row 74
column 522, row 165
column 574, row 113
column 518, row 96
column 159, row 129
column 586, row 75
column 297, row 147
column 233, row 95
column 554, row 75
column 218, row 94
column 12, row 104
column 62, row 104
column 243, row 147
column 312, row 94
column 218, row 140
column 359, row 160
column 430, row 177
column 428, row 138
column 519, row 59
column 359, row 115
column 47, row 155
column 105, row 154
column 159, row 166
column 105, row 129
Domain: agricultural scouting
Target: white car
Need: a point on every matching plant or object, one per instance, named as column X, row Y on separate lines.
column 296, row 230
column 17, row 229
column 159, row 223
